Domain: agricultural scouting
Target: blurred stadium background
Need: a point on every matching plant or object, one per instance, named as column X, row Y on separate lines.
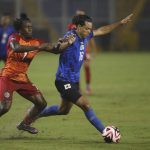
column 50, row 19
column 120, row 81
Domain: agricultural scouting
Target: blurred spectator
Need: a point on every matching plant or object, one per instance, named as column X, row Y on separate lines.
column 6, row 29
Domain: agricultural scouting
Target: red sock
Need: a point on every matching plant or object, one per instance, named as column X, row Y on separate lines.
column 87, row 74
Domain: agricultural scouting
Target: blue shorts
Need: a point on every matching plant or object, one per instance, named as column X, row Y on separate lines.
column 68, row 90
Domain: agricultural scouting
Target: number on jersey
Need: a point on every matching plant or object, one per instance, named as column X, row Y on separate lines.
column 81, row 56
column 25, row 54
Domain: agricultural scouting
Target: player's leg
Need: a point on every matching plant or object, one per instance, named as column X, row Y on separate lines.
column 83, row 103
column 5, row 95
column 32, row 94
column 87, row 74
column 65, row 105
column 39, row 104
column 63, row 109
column 70, row 91
column 4, row 106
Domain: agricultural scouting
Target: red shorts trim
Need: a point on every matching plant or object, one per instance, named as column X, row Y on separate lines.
column 7, row 87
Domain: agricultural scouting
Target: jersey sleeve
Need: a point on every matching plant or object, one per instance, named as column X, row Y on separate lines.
column 13, row 38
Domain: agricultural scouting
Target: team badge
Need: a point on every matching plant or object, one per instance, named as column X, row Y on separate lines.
column 6, row 94
column 67, row 86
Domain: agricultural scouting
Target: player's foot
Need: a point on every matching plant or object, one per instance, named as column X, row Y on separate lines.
column 27, row 128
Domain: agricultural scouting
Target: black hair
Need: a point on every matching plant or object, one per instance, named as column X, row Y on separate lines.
column 19, row 21
column 80, row 19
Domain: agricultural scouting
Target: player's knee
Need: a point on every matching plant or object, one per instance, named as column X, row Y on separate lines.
column 83, row 103
column 85, row 106
column 3, row 110
column 43, row 105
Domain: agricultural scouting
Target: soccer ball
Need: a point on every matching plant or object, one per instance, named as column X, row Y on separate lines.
column 111, row 134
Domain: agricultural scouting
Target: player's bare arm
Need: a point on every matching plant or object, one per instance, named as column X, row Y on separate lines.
column 22, row 48
column 60, row 46
column 108, row 28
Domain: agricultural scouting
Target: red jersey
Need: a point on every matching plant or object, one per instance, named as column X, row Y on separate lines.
column 17, row 63
column 71, row 26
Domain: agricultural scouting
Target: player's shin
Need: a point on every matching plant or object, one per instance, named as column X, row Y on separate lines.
column 50, row 111
column 90, row 115
column 31, row 116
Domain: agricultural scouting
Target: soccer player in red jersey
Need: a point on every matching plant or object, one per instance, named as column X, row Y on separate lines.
column 22, row 48
column 91, row 45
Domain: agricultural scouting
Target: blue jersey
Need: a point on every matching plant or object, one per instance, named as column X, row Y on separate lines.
column 71, row 59
column 4, row 35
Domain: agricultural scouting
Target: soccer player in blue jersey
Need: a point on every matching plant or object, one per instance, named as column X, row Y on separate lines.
column 68, row 74
column 6, row 29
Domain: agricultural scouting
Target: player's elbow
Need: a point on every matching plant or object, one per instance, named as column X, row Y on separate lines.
column 15, row 47
column 15, row 50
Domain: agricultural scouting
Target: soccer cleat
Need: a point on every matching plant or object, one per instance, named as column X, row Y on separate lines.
column 107, row 135
column 27, row 128
column 107, row 140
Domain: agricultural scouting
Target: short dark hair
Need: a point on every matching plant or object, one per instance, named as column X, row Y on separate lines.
column 19, row 21
column 80, row 19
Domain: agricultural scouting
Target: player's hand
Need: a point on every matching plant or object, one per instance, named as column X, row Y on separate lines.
column 127, row 19
column 71, row 38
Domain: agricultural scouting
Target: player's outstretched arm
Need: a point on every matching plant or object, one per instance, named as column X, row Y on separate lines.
column 22, row 48
column 108, row 28
column 60, row 46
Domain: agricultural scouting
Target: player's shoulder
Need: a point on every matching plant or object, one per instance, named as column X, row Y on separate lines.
column 15, row 36
column 70, row 32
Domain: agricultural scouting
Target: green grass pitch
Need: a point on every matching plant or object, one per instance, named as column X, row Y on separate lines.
column 121, row 97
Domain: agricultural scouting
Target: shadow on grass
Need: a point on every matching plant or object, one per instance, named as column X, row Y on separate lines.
column 60, row 139
column 65, row 140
